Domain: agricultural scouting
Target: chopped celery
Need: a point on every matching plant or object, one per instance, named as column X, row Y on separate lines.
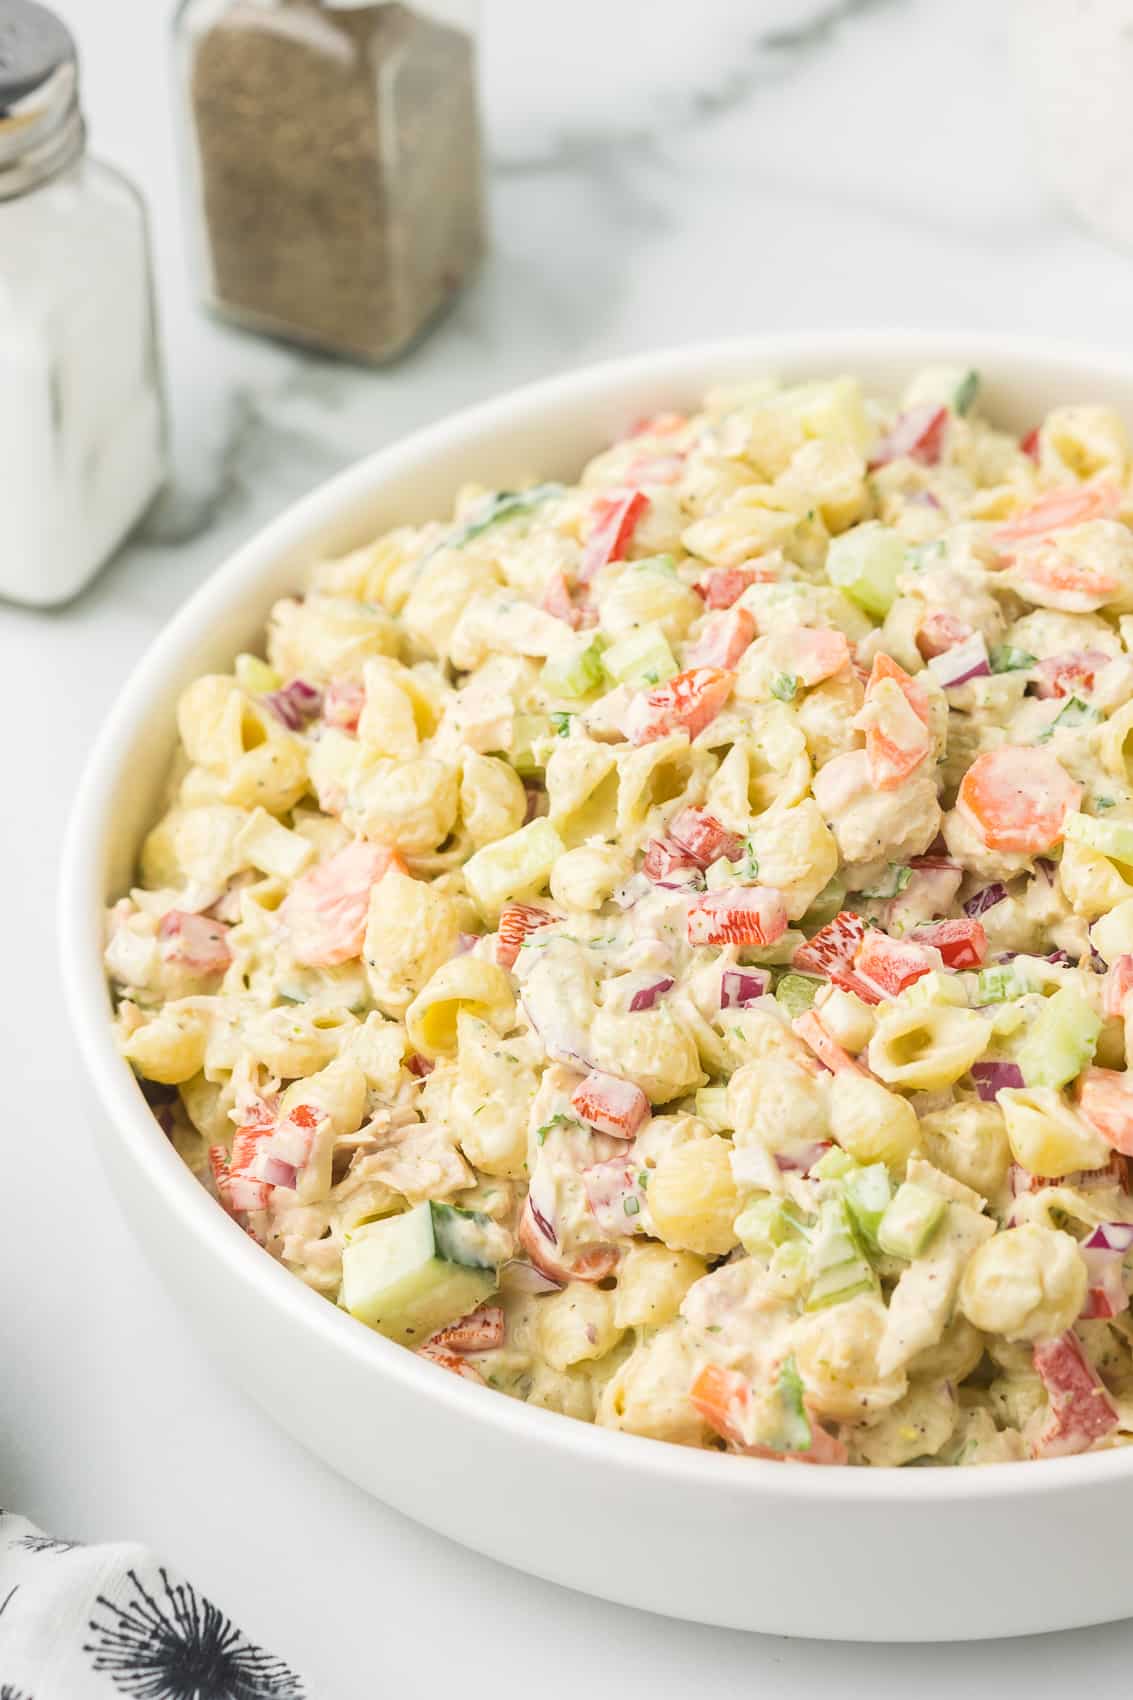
column 1000, row 983
column 796, row 992
column 575, row 670
column 526, row 731
column 1061, row 1040
column 642, row 658
column 506, row 504
column 1112, row 837
column 866, row 563
column 1075, row 713
column 1005, row 658
column 837, row 1265
column 712, row 1108
column 868, row 1195
column 762, row 1225
column 830, row 901
column 911, row 1220
column 515, row 866
column 256, row 676
column 833, row 1164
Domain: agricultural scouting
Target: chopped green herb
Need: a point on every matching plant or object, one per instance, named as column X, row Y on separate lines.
column 784, row 686
column 560, row 720
column 966, row 392
column 556, row 1121
column 893, row 881
column 506, row 504
column 1103, row 803
column 1005, row 658
column 1074, row 713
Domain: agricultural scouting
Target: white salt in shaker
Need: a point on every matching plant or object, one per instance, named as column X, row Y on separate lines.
column 82, row 434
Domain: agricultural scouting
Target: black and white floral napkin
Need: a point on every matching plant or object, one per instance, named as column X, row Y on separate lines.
column 96, row 1622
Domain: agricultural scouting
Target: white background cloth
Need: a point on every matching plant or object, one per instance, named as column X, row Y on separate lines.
column 660, row 173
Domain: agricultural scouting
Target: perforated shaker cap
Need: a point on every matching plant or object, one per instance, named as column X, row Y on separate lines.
column 41, row 122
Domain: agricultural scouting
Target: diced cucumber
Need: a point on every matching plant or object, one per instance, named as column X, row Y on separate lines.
column 1061, row 1040
column 397, row 1279
column 866, row 563
column 256, row 676
column 911, row 1220
column 1112, row 837
column 575, row 670
column 515, row 866
column 642, row 658
column 868, row 1196
column 796, row 992
column 712, row 1108
column 459, row 1235
column 838, row 1267
column 1005, row 658
column 527, row 731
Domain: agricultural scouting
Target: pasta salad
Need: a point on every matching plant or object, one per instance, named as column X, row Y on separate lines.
column 662, row 947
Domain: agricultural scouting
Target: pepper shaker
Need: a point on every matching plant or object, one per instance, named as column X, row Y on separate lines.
column 82, row 434
column 334, row 154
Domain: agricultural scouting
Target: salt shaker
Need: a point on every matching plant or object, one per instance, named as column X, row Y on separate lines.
column 82, row 437
column 334, row 164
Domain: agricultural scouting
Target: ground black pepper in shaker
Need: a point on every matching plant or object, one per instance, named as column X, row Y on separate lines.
column 337, row 163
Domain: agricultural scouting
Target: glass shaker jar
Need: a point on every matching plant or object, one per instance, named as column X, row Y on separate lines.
column 335, row 155
column 82, row 435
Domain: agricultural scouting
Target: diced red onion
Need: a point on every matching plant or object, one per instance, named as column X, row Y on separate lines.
column 740, row 987
column 419, row 1065
column 525, row 1278
column 991, row 1078
column 1098, row 963
column 296, row 704
column 981, row 901
column 647, row 996
column 278, row 1173
column 1105, row 1284
column 800, row 1159
column 537, row 802
column 964, row 661
column 1061, row 959
column 1110, row 1236
column 466, row 942
column 1045, row 867
column 634, row 889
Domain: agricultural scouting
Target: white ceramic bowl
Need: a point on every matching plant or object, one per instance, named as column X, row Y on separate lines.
column 861, row 1554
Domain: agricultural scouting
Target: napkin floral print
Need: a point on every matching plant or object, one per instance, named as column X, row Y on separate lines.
column 140, row 1631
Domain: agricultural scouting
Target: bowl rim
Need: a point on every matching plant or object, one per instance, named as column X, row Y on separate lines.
column 126, row 1116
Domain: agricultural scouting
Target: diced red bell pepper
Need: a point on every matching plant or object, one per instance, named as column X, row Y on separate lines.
column 962, row 944
column 688, row 703
column 517, row 922
column 194, row 942
column 739, row 914
column 1080, row 1409
column 917, row 434
column 610, row 1105
column 1070, row 674
column 704, row 837
column 1030, row 443
column 615, row 521
column 723, row 640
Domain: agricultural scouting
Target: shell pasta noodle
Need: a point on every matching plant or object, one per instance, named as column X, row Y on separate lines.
column 662, row 947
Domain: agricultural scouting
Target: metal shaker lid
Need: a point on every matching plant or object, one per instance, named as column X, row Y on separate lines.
column 41, row 122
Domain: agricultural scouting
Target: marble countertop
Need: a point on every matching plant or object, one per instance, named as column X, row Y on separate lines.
column 749, row 164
